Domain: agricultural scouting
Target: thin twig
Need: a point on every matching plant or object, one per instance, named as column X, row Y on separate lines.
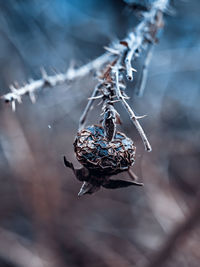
column 133, row 117
column 144, row 74
column 88, row 107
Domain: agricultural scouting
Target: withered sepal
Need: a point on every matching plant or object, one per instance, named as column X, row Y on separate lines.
column 92, row 181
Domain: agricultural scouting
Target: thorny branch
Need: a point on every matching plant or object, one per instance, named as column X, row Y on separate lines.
column 119, row 58
column 71, row 74
column 112, row 84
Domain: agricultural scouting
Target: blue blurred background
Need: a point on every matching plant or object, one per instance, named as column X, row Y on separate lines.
column 42, row 221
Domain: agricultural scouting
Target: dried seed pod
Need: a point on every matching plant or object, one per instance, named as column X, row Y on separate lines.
column 95, row 152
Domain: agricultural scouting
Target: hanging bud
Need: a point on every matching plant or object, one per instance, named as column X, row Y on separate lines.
column 95, row 152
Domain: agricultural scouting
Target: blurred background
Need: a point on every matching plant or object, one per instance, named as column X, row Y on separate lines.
column 42, row 220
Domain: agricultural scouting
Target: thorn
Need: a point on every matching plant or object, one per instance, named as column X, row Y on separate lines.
column 124, row 95
column 32, row 97
column 13, row 105
column 100, row 81
column 111, row 50
column 122, row 85
column 16, row 84
column 15, row 93
column 13, row 89
column 114, row 101
column 133, row 69
column 72, row 64
column 70, row 72
column 100, row 103
column 30, row 80
column 19, row 99
column 54, row 70
column 119, row 67
column 95, row 97
column 44, row 74
column 113, row 96
column 140, row 117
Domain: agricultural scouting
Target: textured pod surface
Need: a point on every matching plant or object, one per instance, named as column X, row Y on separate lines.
column 95, row 152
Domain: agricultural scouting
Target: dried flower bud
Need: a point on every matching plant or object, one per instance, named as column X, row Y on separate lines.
column 95, row 152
